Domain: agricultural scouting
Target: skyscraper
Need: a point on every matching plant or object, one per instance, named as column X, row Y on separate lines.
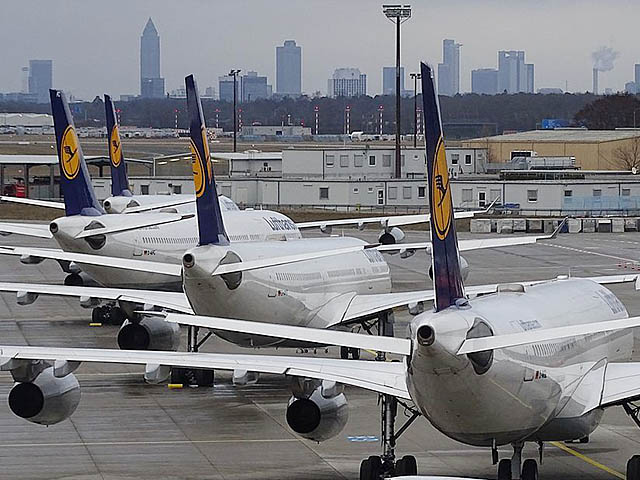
column 449, row 69
column 225, row 88
column 636, row 71
column 151, row 84
column 253, row 87
column 289, row 69
column 514, row 75
column 347, row 82
column 484, row 81
column 40, row 79
column 389, row 80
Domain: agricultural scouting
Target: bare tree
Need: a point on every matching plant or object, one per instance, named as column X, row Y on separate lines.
column 628, row 157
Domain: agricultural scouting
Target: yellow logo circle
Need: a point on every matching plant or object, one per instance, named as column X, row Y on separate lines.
column 440, row 193
column 198, row 171
column 207, row 155
column 115, row 149
column 70, row 153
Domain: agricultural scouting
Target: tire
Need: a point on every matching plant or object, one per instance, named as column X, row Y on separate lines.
column 355, row 353
column 116, row 316
column 344, row 354
column 96, row 315
column 73, row 280
column 407, row 465
column 370, row 468
column 633, row 468
column 584, row 439
column 529, row 470
column 504, row 469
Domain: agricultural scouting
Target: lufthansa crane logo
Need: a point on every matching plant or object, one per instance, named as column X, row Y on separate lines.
column 440, row 194
column 69, row 153
column 207, row 155
column 115, row 147
column 201, row 165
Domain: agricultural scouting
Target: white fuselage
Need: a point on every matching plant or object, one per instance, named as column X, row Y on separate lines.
column 314, row 293
column 545, row 391
column 163, row 243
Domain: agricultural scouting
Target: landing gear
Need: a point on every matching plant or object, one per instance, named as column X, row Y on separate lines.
column 504, row 469
column 633, row 465
column 407, row 465
column 529, row 470
column 73, row 280
column 108, row 315
column 349, row 352
column 514, row 469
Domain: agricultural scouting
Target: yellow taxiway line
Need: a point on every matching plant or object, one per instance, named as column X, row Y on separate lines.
column 590, row 461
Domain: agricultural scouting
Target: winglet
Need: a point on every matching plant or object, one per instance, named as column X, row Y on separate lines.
column 119, row 180
column 447, row 276
column 79, row 196
column 558, row 228
column 210, row 224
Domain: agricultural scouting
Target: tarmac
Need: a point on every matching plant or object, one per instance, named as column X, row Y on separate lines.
column 124, row 428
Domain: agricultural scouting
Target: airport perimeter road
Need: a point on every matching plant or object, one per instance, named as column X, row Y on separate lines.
column 126, row 429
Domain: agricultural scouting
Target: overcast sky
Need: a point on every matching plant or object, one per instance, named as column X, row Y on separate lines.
column 95, row 44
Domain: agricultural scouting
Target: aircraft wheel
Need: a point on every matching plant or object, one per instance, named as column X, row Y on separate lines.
column 584, row 439
column 633, row 468
column 344, row 353
column 530, row 470
column 504, row 469
column 73, row 280
column 407, row 465
column 371, row 468
column 97, row 315
column 355, row 353
column 115, row 316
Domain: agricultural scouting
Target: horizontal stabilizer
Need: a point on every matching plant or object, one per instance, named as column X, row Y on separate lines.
column 146, row 222
column 158, row 206
column 27, row 229
column 35, row 203
column 400, row 346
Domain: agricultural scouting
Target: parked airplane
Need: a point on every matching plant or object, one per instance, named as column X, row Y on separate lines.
column 547, row 354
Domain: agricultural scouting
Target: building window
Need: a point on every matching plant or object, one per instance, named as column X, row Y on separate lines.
column 386, row 160
column 402, row 160
column 372, row 160
column 393, row 193
column 467, row 159
column 422, row 191
column 144, row 189
column 494, row 194
column 455, row 158
column 344, row 160
column 568, row 193
column 177, row 189
column 597, row 192
column 626, row 192
column 324, row 193
column 467, row 195
column 406, row 193
column 532, row 195
column 370, row 190
column 358, row 160
column 356, row 190
column 329, row 159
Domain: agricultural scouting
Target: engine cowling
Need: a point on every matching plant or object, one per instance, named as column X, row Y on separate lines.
column 149, row 334
column 46, row 400
column 320, row 416
column 391, row 236
column 464, row 269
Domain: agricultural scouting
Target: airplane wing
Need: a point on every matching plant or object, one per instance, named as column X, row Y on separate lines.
column 158, row 206
column 382, row 377
column 621, row 384
column 29, row 292
column 29, row 201
column 27, row 229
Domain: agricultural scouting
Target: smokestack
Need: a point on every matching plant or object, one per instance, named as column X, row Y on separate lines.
column 595, row 81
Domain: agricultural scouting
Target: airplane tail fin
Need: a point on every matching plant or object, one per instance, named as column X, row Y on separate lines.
column 447, row 276
column 119, row 179
column 79, row 196
column 210, row 224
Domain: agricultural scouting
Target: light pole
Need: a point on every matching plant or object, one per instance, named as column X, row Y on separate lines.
column 347, row 113
column 381, row 111
column 316, row 109
column 234, row 73
column 415, row 77
column 398, row 14
column 217, row 118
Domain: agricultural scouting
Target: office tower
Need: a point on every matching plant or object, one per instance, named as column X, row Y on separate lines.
column 449, row 69
column 225, row 88
column 253, row 87
column 389, row 81
column 514, row 75
column 289, row 69
column 40, row 79
column 151, row 84
column 24, row 80
column 484, row 81
column 347, row 82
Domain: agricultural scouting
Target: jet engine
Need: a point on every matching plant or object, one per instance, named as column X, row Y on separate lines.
column 464, row 269
column 46, row 399
column 321, row 415
column 150, row 333
column 391, row 236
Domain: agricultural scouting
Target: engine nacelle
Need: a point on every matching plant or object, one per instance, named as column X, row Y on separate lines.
column 150, row 333
column 464, row 269
column 318, row 417
column 46, row 400
column 391, row 236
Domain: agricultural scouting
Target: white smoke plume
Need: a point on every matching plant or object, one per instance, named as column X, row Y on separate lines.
column 603, row 58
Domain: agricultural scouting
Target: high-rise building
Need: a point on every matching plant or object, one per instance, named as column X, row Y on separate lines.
column 253, row 87
column 514, row 75
column 484, row 81
column 389, row 80
column 289, row 69
column 449, row 69
column 225, row 88
column 151, row 83
column 347, row 82
column 40, row 79
column 24, row 80
column 636, row 71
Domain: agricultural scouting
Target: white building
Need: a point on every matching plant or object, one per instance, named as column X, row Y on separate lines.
column 347, row 82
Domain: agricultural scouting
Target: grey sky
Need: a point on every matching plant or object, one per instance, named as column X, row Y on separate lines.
column 95, row 45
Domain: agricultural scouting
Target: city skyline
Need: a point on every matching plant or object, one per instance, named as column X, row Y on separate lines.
column 209, row 49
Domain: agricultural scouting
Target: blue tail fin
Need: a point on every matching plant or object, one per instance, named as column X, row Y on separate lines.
column 210, row 224
column 79, row 197
column 119, row 180
column 447, row 277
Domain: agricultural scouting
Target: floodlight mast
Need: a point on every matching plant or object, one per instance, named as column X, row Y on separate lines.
column 398, row 14
column 234, row 73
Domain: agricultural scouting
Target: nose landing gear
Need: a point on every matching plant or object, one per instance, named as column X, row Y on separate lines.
column 514, row 469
